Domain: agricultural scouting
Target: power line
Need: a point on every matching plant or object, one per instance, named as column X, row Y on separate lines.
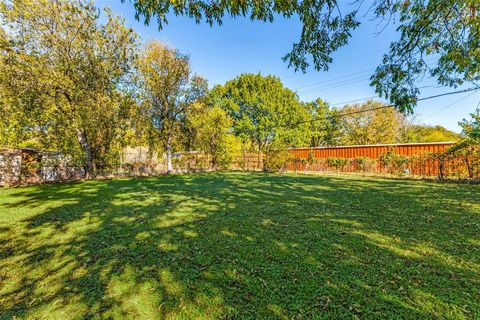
column 372, row 97
column 449, row 105
column 350, row 101
column 345, row 83
column 334, row 79
column 379, row 108
column 450, row 93
column 340, row 62
column 335, row 85
column 325, row 85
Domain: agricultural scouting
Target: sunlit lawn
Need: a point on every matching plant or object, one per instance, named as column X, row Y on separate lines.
column 241, row 245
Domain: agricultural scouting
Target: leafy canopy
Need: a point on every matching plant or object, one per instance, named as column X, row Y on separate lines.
column 169, row 90
column 264, row 112
column 325, row 125
column 64, row 77
column 448, row 31
column 425, row 133
column 471, row 128
column 210, row 131
column 381, row 125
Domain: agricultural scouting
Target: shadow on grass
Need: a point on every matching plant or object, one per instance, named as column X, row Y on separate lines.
column 241, row 246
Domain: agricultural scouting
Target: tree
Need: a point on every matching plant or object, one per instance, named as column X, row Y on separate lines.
column 325, row 125
column 471, row 128
column 65, row 76
column 264, row 112
column 170, row 90
column 210, row 128
column 424, row 133
column 381, row 125
column 446, row 30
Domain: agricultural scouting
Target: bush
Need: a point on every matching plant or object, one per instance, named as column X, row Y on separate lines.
column 394, row 162
column 337, row 163
column 228, row 150
column 31, row 143
column 468, row 151
column 363, row 163
column 311, row 157
column 275, row 160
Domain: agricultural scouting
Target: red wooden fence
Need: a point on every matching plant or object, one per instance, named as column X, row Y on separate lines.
column 423, row 159
column 371, row 151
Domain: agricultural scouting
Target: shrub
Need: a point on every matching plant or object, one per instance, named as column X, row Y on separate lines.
column 229, row 149
column 469, row 152
column 395, row 163
column 311, row 158
column 31, row 143
column 363, row 163
column 275, row 160
column 337, row 163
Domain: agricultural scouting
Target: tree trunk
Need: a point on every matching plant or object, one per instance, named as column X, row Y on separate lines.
column 261, row 159
column 441, row 168
column 169, row 153
column 469, row 167
column 88, row 167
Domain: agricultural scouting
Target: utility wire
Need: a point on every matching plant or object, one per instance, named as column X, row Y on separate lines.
column 333, row 79
column 371, row 97
column 343, row 84
column 343, row 61
column 334, row 85
column 449, row 105
column 377, row 108
column 350, row 101
column 325, row 83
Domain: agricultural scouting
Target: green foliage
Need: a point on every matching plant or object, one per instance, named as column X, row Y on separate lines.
column 311, row 157
column 337, row 163
column 380, row 125
column 471, row 128
column 209, row 130
column 263, row 110
column 325, row 127
column 31, row 143
column 424, row 133
column 64, row 78
column 389, row 158
column 467, row 152
column 275, row 160
column 429, row 29
column 396, row 163
column 446, row 30
column 228, row 150
column 363, row 163
column 169, row 91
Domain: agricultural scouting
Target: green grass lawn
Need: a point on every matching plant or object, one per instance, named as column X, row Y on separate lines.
column 241, row 245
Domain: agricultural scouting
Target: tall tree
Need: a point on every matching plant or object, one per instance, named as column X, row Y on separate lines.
column 210, row 128
column 65, row 75
column 170, row 89
column 325, row 125
column 265, row 113
column 425, row 133
column 381, row 125
column 445, row 30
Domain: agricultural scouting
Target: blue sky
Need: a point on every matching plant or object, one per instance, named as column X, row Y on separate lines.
column 240, row 45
